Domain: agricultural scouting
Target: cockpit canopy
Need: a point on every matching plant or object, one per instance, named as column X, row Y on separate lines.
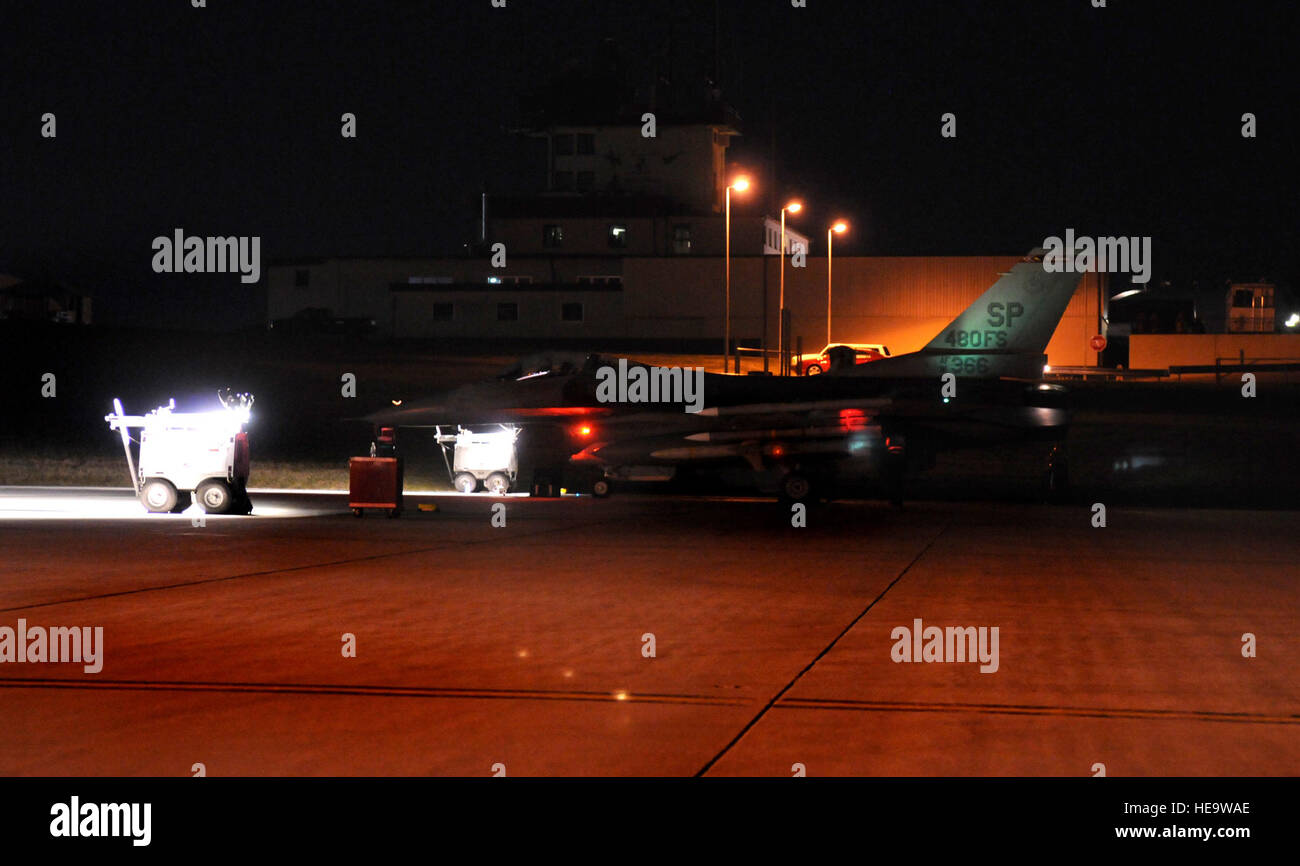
column 550, row 364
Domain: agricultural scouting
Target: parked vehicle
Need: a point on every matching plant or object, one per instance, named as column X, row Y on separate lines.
column 321, row 320
column 820, row 362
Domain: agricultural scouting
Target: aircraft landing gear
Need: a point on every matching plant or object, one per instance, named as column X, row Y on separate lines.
column 1057, row 480
column 796, row 487
column 895, row 468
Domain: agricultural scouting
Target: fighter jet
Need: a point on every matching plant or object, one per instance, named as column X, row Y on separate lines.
column 609, row 420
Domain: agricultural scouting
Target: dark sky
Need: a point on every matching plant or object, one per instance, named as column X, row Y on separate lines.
column 225, row 121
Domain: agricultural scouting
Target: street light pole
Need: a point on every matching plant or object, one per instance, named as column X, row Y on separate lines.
column 829, row 235
column 837, row 229
column 792, row 207
column 726, row 326
column 740, row 184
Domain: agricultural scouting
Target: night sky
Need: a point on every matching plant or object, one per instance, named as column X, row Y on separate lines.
column 225, row 121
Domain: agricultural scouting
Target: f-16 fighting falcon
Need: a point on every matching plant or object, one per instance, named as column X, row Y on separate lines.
column 610, row 420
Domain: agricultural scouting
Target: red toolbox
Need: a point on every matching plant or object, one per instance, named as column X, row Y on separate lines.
column 375, row 482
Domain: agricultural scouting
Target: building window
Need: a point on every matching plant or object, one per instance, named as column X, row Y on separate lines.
column 434, row 281
column 301, row 278
column 444, row 311
column 586, row 181
column 618, row 236
column 571, row 312
column 601, row 280
column 586, row 143
column 682, row 239
column 552, row 236
column 563, row 144
column 563, row 181
column 509, row 280
column 508, row 312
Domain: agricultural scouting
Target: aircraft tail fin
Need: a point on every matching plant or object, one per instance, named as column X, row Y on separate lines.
column 1016, row 315
column 1004, row 333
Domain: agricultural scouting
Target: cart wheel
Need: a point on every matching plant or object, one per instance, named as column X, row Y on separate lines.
column 215, row 496
column 600, row 488
column 465, row 482
column 158, row 495
column 496, row 483
column 357, row 512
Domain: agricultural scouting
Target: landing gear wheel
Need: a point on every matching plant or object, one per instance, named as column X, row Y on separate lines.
column 813, row 370
column 158, row 495
column 600, row 489
column 358, row 512
column 496, row 484
column 465, row 482
column 795, row 488
column 215, row 497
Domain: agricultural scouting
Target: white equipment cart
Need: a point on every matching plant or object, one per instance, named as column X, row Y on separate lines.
column 203, row 454
column 484, row 456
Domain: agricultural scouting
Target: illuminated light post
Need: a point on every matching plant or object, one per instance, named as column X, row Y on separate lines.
column 740, row 184
column 792, row 207
column 837, row 229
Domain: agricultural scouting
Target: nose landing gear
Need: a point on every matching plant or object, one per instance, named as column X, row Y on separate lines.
column 1057, row 481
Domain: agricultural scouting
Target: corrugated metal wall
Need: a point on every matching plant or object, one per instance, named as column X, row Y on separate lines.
column 899, row 301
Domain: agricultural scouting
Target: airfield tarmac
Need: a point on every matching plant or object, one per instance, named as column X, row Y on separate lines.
column 519, row 649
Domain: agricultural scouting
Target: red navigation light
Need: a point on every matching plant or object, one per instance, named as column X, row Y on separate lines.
column 853, row 419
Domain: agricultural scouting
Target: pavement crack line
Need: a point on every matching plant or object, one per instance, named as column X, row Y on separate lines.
column 1038, row 710
column 830, row 646
column 343, row 689
column 189, row 583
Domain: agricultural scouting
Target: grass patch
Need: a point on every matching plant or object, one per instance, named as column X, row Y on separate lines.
column 71, row 470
